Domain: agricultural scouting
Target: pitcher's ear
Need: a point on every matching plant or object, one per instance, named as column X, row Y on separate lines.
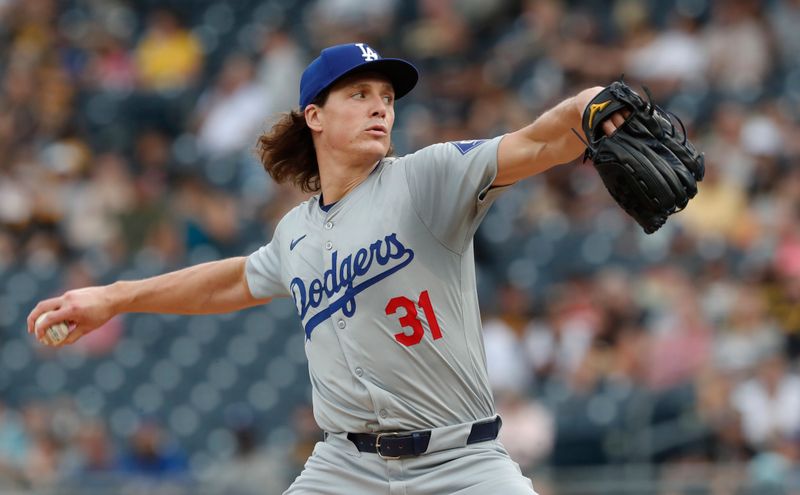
column 313, row 116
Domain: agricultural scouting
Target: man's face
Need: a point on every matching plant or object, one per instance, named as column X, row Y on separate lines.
column 357, row 117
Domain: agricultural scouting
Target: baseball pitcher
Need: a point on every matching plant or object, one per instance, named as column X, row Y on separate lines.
column 380, row 266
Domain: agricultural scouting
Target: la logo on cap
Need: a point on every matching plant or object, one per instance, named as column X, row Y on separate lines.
column 368, row 53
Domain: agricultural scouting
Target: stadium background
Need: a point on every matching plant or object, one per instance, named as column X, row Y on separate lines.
column 622, row 363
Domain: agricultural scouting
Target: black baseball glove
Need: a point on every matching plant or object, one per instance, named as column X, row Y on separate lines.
column 649, row 167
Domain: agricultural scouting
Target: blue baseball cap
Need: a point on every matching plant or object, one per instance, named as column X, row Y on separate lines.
column 338, row 61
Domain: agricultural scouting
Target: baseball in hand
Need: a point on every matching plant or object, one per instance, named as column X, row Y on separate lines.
column 56, row 333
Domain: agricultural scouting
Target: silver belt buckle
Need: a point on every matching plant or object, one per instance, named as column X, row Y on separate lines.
column 378, row 445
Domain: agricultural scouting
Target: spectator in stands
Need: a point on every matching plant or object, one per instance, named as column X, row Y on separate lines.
column 720, row 212
column 558, row 343
column 723, row 438
column 232, row 112
column 42, row 467
column 94, row 203
column 336, row 21
column 254, row 468
column 738, row 48
column 168, row 57
column 111, row 66
column 670, row 59
column 680, row 341
column 747, row 334
column 507, row 360
column 93, row 453
column 769, row 403
column 151, row 453
column 278, row 71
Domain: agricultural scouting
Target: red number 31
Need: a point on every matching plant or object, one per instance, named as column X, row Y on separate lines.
column 411, row 320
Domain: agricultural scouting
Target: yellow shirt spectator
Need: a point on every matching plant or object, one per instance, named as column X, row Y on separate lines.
column 168, row 56
column 719, row 209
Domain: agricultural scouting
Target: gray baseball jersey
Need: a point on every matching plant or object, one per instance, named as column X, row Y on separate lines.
column 384, row 283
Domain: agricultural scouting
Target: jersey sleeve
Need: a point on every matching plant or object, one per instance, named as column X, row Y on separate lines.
column 263, row 270
column 450, row 187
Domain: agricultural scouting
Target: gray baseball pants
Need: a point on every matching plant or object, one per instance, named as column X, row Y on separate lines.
column 336, row 467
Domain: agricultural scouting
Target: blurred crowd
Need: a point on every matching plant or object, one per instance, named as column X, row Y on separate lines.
column 51, row 447
column 126, row 149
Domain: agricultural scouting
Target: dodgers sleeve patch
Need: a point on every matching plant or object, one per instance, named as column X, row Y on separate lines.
column 465, row 147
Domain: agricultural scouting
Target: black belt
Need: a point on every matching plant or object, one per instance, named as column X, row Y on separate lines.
column 394, row 445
